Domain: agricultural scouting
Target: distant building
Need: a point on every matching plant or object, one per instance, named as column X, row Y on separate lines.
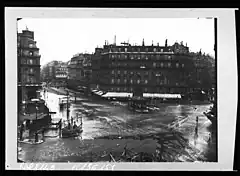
column 144, row 69
column 79, row 71
column 48, row 71
column 28, row 66
column 61, row 71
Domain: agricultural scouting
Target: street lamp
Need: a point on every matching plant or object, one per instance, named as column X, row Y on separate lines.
column 36, row 101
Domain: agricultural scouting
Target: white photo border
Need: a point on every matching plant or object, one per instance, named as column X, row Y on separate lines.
column 226, row 78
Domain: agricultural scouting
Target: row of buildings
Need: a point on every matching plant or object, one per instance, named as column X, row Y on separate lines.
column 149, row 69
column 152, row 69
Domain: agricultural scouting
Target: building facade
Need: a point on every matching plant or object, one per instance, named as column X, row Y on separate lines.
column 48, row 71
column 61, row 71
column 28, row 66
column 148, row 69
column 79, row 71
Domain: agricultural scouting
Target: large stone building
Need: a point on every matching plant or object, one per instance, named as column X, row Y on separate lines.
column 79, row 71
column 146, row 69
column 28, row 66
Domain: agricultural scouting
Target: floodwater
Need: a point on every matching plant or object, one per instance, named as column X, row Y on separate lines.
column 110, row 120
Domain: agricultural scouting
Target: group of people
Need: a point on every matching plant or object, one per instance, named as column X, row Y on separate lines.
column 71, row 124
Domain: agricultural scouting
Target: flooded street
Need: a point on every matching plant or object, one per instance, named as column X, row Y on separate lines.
column 110, row 120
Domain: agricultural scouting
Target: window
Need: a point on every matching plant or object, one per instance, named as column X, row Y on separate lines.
column 125, row 49
column 154, row 64
column 145, row 89
column 154, row 49
column 177, row 65
column 138, row 81
column 146, row 81
column 125, row 72
column 131, row 81
column 30, row 53
column 118, row 71
column 112, row 71
column 161, row 64
column 169, row 64
column 161, row 50
column 118, row 81
column 125, row 81
column 182, row 65
column 31, row 70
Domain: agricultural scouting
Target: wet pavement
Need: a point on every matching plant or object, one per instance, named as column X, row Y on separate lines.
column 117, row 121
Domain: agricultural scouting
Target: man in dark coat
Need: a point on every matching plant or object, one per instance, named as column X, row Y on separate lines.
column 21, row 132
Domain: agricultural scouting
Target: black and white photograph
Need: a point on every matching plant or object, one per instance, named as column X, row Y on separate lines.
column 115, row 90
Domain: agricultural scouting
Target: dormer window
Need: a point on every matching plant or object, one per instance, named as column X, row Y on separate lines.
column 154, row 49
column 161, row 50
column 125, row 49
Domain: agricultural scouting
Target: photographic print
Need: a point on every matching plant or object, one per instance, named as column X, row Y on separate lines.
column 134, row 90
column 102, row 89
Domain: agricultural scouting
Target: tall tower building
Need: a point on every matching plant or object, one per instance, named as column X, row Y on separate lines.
column 28, row 66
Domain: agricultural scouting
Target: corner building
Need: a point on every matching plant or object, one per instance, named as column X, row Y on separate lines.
column 28, row 66
column 150, row 69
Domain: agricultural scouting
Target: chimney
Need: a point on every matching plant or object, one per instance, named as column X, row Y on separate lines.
column 143, row 43
column 166, row 43
column 115, row 40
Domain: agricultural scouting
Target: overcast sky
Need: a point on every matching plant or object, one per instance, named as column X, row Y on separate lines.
column 60, row 39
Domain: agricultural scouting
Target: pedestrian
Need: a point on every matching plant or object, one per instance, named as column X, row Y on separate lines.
column 72, row 120
column 197, row 119
column 43, row 130
column 69, row 126
column 21, row 132
column 74, row 126
column 36, row 137
column 209, row 138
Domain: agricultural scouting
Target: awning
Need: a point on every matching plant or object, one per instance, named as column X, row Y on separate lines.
column 149, row 95
column 117, row 94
